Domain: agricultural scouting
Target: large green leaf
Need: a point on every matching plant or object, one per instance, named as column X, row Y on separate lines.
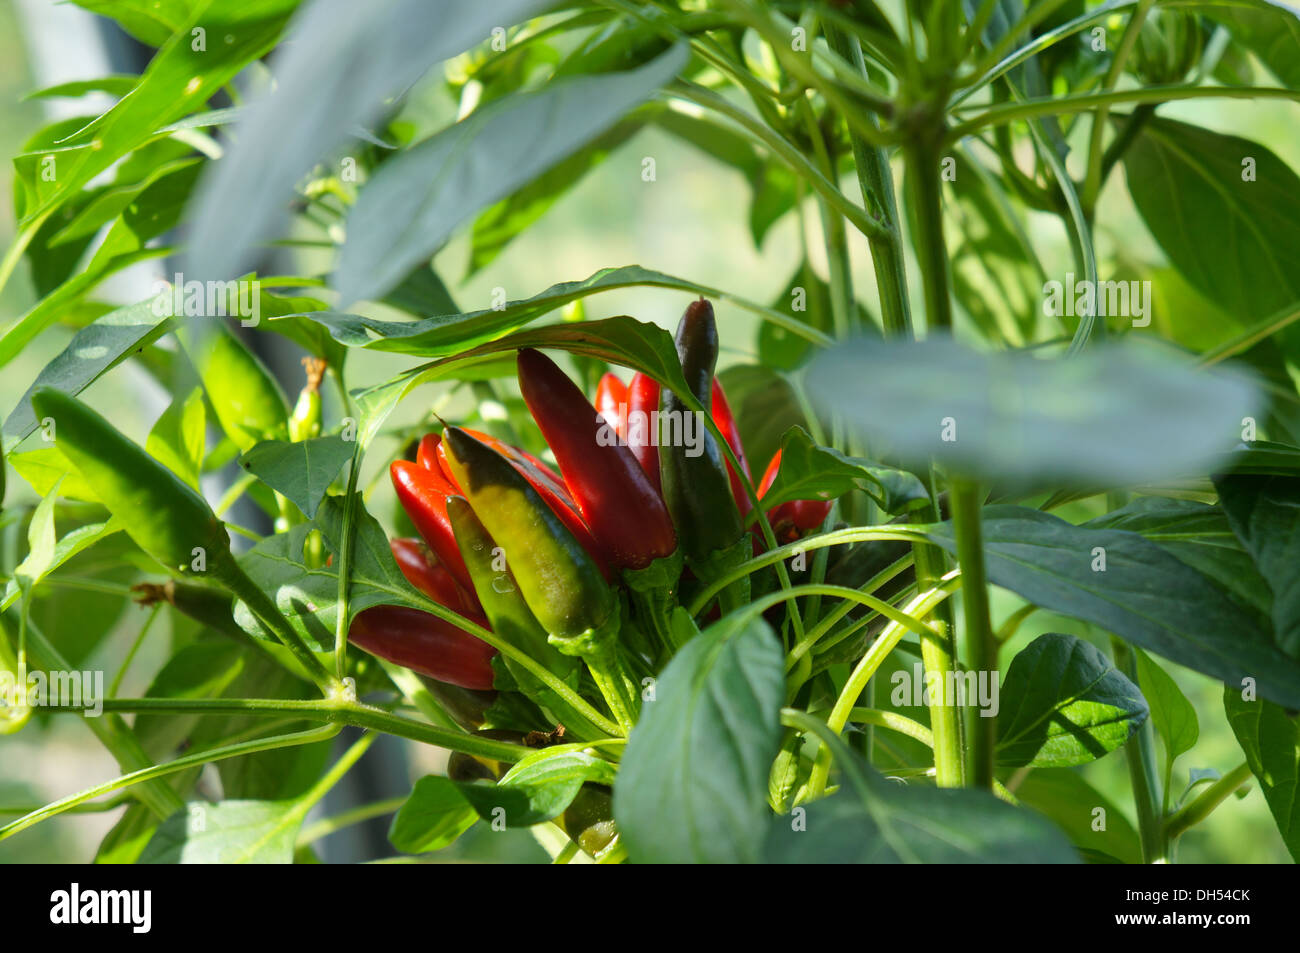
column 149, row 21
column 1197, row 534
column 346, row 63
column 1268, row 29
column 432, row 817
column 1114, row 415
column 302, row 471
column 692, row 784
column 1091, row 820
column 1144, row 595
column 1063, row 703
column 1237, row 241
column 539, row 788
column 1265, row 514
column 228, row 832
column 179, row 80
column 622, row 340
column 1271, row 741
column 413, row 203
column 876, row 821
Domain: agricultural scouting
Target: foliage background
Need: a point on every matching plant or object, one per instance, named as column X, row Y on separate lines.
column 690, row 222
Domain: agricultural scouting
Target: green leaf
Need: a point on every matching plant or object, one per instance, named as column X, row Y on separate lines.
column 301, row 471
column 178, row 81
column 692, row 784
column 93, row 351
column 409, row 209
column 1063, row 703
column 1197, row 534
column 1269, row 30
column 810, row 472
column 150, row 21
column 1237, row 241
column 307, row 596
column 1114, row 415
column 432, row 817
column 538, row 788
column 228, row 832
column 116, row 86
column 1144, row 596
column 1265, row 514
column 1271, row 741
column 179, row 437
column 873, row 820
column 622, row 340
column 1172, row 714
column 344, row 66
column 203, row 669
column 72, row 543
column 45, row 467
column 1062, row 795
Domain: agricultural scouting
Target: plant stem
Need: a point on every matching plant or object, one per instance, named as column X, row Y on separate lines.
column 1139, row 752
column 1093, row 177
column 1200, row 807
column 982, row 647
column 358, row 815
column 877, row 185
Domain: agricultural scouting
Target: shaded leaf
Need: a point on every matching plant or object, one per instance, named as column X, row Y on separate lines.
column 1271, row 741
column 302, row 471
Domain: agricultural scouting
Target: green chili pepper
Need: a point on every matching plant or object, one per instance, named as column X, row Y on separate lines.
column 164, row 515
column 305, row 421
column 696, row 486
column 248, row 402
column 558, row 580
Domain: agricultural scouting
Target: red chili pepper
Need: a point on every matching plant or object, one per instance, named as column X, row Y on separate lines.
column 423, row 494
column 421, row 570
column 611, row 403
column 424, row 643
column 792, row 519
column 625, row 512
column 642, row 405
column 722, row 416
column 548, row 484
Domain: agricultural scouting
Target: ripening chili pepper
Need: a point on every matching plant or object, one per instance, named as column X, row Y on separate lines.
column 424, row 643
column 695, row 483
column 164, row 515
column 791, row 519
column 642, row 440
column 423, row 494
column 611, row 402
column 625, row 513
column 544, row 480
column 422, row 571
column 498, row 591
column 726, row 422
column 558, row 579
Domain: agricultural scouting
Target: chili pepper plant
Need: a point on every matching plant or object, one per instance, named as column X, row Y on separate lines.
column 921, row 556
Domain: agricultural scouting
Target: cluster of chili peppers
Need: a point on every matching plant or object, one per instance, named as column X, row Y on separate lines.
column 584, row 563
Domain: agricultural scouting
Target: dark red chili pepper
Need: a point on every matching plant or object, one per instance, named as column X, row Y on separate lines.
column 423, row 494
column 611, row 403
column 722, row 416
column 642, row 405
column 424, row 643
column 548, row 484
column 791, row 519
column 625, row 512
column 431, row 578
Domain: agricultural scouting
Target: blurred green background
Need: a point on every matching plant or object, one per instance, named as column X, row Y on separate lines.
column 690, row 222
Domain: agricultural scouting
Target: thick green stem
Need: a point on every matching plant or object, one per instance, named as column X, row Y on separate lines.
column 1140, row 753
column 877, row 184
column 982, row 647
